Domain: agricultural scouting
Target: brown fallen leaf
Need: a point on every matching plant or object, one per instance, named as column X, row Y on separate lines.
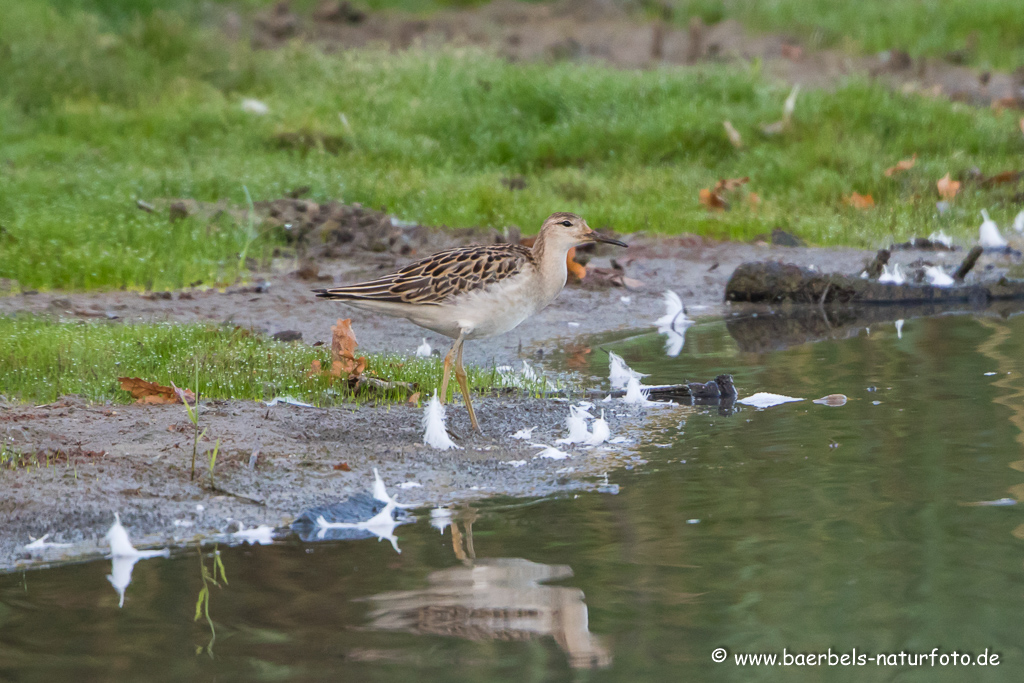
column 343, row 350
column 577, row 270
column 343, row 467
column 151, row 392
column 714, row 199
column 793, row 53
column 947, row 188
column 859, row 201
column 730, row 184
column 414, row 398
column 711, row 200
column 901, row 166
column 734, row 135
column 1002, row 178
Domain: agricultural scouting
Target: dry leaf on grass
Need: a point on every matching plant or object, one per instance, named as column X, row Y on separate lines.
column 947, row 188
column 414, row 398
column 714, row 199
column 343, row 351
column 343, row 467
column 859, row 201
column 711, row 200
column 734, row 135
column 1002, row 178
column 151, row 392
column 901, row 166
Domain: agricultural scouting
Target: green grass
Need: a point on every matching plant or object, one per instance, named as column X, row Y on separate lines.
column 930, row 28
column 97, row 112
column 42, row 360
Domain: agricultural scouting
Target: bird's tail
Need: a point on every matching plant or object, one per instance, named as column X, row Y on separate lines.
column 366, row 290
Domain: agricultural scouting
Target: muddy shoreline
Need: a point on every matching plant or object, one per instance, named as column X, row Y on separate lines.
column 144, row 471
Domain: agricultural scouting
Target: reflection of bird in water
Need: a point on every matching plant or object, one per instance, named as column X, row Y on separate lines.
column 494, row 599
column 475, row 292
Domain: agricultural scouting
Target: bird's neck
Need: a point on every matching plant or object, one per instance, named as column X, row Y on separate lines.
column 550, row 260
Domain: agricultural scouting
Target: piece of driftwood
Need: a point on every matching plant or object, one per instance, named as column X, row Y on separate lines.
column 771, row 282
column 968, row 263
column 719, row 392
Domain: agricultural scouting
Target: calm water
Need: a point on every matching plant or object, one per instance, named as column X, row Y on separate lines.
column 801, row 526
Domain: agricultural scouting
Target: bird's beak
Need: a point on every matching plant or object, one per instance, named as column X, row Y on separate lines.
column 598, row 237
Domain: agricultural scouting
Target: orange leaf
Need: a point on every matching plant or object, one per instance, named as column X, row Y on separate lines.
column 343, row 350
column 151, row 392
column 712, row 200
column 577, row 270
column 343, row 467
column 947, row 188
column 859, row 201
column 314, row 369
column 904, row 165
column 414, row 399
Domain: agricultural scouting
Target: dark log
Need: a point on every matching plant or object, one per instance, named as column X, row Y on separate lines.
column 968, row 263
column 771, row 282
column 874, row 268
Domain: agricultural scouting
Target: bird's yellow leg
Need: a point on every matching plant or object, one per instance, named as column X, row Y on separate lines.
column 460, row 375
column 443, row 396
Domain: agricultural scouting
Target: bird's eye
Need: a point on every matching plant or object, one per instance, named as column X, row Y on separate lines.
column 567, row 224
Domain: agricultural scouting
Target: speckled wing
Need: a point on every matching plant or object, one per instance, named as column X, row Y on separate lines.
column 440, row 278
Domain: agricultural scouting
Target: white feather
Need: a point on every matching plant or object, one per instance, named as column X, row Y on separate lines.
column 600, row 431
column 380, row 492
column 941, row 237
column 988, row 233
column 673, row 309
column 634, row 392
column 937, row 277
column 260, row 535
column 894, row 276
column 899, row 328
column 435, row 434
column 619, row 373
column 424, row 350
column 382, row 525
column 673, row 324
column 123, row 557
column 524, row 434
column 254, row 106
column 550, row 452
column 43, row 544
column 576, row 423
column 1018, row 222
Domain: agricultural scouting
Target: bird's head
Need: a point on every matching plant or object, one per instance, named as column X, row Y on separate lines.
column 568, row 230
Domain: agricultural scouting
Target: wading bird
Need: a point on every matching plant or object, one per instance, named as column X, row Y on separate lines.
column 475, row 292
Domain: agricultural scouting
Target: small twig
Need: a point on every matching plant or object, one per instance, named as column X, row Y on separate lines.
column 254, row 501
